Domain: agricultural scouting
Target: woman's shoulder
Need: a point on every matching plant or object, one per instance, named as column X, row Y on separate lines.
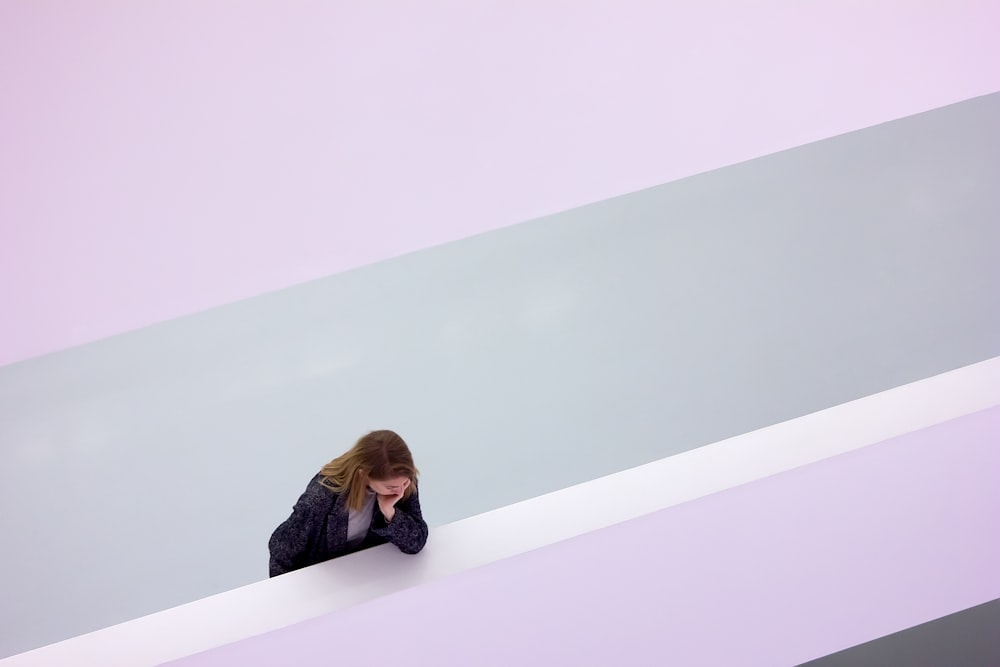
column 317, row 493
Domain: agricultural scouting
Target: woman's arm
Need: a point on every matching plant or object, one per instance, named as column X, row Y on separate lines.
column 407, row 529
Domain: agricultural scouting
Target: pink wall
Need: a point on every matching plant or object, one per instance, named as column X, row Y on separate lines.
column 157, row 159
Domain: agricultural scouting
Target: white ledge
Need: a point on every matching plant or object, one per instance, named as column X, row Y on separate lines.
column 479, row 540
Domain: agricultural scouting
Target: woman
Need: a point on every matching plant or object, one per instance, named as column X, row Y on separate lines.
column 363, row 498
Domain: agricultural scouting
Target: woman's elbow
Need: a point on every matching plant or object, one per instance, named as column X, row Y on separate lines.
column 414, row 545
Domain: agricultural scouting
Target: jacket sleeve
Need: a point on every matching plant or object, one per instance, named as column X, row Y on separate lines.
column 407, row 530
column 292, row 541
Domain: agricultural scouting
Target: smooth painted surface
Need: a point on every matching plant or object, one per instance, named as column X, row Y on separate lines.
column 148, row 470
column 522, row 527
column 770, row 573
column 162, row 158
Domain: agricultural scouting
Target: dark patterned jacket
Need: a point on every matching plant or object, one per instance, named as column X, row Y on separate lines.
column 317, row 529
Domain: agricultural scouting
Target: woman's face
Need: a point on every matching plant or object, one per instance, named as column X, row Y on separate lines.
column 389, row 487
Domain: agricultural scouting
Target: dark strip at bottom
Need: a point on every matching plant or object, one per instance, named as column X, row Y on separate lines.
column 969, row 638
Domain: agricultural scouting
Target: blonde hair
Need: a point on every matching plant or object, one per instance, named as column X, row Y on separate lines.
column 379, row 455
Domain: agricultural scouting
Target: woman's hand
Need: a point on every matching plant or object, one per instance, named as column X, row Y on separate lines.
column 387, row 503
